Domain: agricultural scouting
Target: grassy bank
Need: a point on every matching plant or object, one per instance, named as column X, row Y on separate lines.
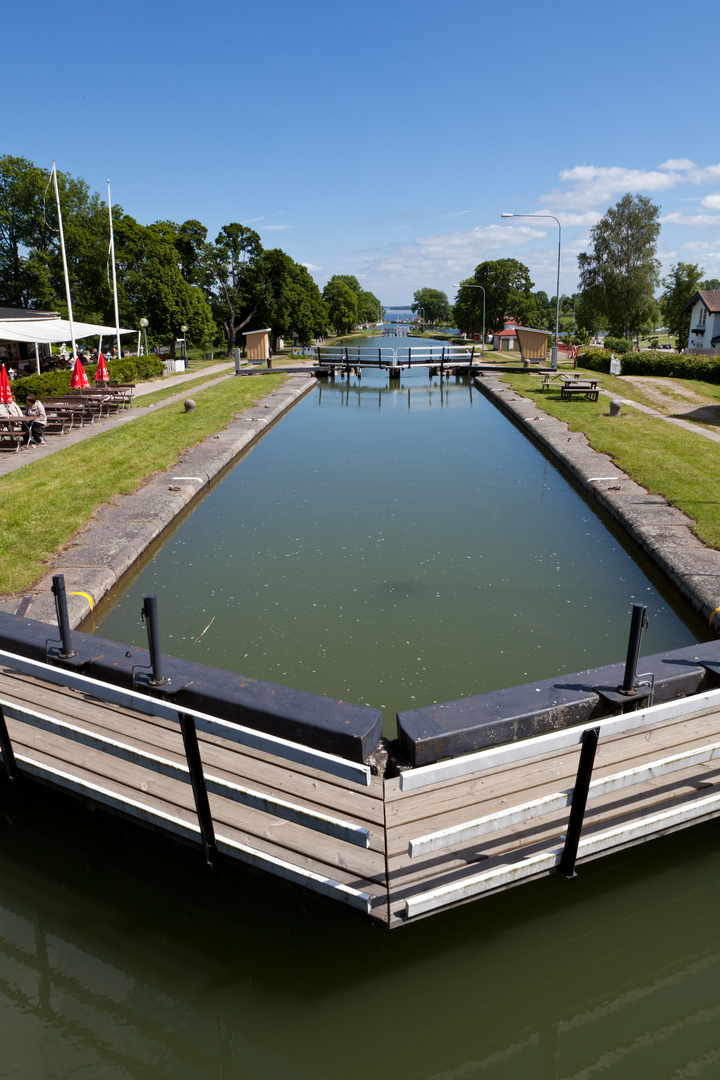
column 667, row 460
column 45, row 502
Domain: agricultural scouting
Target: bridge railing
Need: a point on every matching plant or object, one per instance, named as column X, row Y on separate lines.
column 386, row 356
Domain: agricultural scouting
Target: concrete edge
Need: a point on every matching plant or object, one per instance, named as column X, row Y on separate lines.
column 664, row 533
column 103, row 550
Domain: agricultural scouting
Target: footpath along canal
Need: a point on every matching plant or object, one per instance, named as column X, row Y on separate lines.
column 393, row 546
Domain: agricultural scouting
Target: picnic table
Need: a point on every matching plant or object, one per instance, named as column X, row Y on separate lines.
column 574, row 387
column 12, row 433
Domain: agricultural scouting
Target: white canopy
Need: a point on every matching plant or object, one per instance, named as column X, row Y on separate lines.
column 52, row 330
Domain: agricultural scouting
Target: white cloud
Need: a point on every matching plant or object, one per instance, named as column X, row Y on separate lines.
column 275, row 228
column 591, row 185
column 678, row 218
column 678, row 164
column 711, row 202
column 312, row 268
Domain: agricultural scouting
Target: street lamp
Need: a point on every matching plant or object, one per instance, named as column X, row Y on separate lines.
column 554, row 354
column 144, row 324
column 482, row 343
column 183, row 330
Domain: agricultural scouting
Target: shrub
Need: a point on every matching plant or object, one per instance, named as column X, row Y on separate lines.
column 673, row 366
column 57, row 383
column 618, row 344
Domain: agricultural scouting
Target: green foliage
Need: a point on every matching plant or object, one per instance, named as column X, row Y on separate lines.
column 618, row 344
column 289, row 301
column 680, row 286
column 508, row 294
column 56, row 383
column 342, row 304
column 660, row 364
column 622, row 271
column 435, row 306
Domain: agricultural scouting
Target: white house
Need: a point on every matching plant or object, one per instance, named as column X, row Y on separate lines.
column 704, row 311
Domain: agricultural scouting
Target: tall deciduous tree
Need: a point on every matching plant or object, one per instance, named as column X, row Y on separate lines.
column 622, row 269
column 508, row 294
column 680, row 285
column 290, row 301
column 435, row 305
column 342, row 304
column 236, row 285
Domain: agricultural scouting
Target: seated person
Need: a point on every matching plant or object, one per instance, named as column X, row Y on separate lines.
column 35, row 411
column 10, row 411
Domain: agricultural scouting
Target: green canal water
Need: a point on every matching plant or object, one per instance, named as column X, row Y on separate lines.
column 394, row 547
column 122, row 956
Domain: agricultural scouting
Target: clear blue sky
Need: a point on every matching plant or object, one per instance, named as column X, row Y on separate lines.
column 382, row 140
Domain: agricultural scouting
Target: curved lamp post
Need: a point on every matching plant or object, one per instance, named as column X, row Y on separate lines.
column 144, row 324
column 554, row 354
column 185, row 356
column 482, row 343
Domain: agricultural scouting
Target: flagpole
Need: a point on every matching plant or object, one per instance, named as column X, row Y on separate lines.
column 112, row 259
column 64, row 258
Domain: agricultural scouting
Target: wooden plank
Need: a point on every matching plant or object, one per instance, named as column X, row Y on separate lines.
column 285, row 835
column 291, row 751
column 322, row 822
column 610, row 840
column 155, row 812
column 532, row 778
column 276, row 777
column 553, row 741
column 524, row 812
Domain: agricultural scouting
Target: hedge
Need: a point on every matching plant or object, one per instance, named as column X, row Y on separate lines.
column 57, row 383
column 675, row 365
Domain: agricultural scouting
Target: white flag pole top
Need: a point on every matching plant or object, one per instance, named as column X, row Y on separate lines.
column 64, row 256
column 112, row 260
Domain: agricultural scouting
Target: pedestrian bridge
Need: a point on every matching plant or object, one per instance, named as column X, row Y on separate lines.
column 350, row 360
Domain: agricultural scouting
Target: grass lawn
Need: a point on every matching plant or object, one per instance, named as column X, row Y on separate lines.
column 45, row 502
column 183, row 388
column 665, row 459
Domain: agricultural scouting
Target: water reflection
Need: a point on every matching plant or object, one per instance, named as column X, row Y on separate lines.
column 141, row 963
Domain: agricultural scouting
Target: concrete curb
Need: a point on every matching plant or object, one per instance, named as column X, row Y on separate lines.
column 664, row 533
column 108, row 546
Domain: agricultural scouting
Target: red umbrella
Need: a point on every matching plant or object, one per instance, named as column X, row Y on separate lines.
column 79, row 379
column 5, row 391
column 102, row 374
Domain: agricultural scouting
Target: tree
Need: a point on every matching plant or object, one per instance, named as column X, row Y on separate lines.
column 151, row 285
column 508, row 294
column 622, row 268
column 435, row 305
column 289, row 300
column 342, row 304
column 710, row 284
column 680, row 285
column 234, row 283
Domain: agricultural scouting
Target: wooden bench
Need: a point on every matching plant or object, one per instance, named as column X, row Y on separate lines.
column 12, row 433
column 588, row 389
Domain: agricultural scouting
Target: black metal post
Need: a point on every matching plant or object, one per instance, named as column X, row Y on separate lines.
column 61, row 610
column 150, row 615
column 637, row 625
column 579, row 802
column 7, row 750
column 197, row 779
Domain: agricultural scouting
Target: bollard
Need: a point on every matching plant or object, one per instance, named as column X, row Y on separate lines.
column 615, row 407
column 150, row 616
column 637, row 625
column 61, row 610
column 189, row 405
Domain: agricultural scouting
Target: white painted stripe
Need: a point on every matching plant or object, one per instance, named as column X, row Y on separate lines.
column 550, row 804
column 326, row 886
column 325, row 823
column 553, row 741
column 546, row 861
column 258, row 740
